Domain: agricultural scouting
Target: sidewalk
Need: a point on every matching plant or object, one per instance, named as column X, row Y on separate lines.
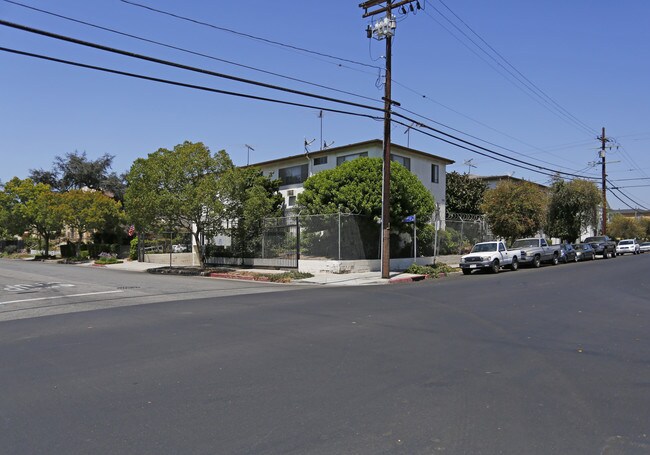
column 332, row 279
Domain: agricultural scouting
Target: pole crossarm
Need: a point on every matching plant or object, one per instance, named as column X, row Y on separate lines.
column 380, row 9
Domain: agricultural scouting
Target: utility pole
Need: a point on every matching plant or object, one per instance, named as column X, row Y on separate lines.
column 603, row 141
column 384, row 29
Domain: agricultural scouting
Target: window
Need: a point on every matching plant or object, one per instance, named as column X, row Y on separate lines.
column 502, row 247
column 404, row 161
column 294, row 174
column 435, row 173
column 320, row 160
column 292, row 201
column 342, row 159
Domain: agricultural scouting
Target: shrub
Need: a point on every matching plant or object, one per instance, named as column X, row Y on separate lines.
column 133, row 249
column 433, row 271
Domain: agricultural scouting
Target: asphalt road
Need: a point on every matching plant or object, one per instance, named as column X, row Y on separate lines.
column 549, row 361
column 30, row 289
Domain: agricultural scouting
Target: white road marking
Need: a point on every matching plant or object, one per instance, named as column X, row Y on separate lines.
column 60, row 297
column 28, row 287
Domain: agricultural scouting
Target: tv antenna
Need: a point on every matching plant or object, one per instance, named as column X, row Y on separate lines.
column 307, row 144
column 248, row 153
column 326, row 145
column 469, row 165
column 408, row 132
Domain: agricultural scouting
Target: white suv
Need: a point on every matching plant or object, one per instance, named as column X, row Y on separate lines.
column 628, row 246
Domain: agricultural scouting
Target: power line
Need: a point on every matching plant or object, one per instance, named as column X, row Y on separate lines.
column 520, row 84
column 554, row 171
column 270, row 86
column 181, row 66
column 248, row 35
column 532, row 84
column 200, row 54
column 183, row 84
column 212, row 73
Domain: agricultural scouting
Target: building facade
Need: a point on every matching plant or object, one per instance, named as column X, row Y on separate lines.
column 293, row 170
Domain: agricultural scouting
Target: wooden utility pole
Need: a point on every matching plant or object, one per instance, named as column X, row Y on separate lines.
column 603, row 141
column 383, row 30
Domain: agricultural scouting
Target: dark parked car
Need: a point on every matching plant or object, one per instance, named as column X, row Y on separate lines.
column 602, row 245
column 584, row 252
column 568, row 253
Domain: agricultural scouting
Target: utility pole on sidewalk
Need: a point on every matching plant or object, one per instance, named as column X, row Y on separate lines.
column 385, row 29
column 603, row 141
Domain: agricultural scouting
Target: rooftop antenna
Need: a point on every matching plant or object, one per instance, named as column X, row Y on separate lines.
column 248, row 153
column 326, row 145
column 408, row 132
column 469, row 165
column 307, row 144
column 320, row 116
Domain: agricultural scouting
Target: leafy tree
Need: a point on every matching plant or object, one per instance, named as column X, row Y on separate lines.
column 464, row 194
column 182, row 187
column 87, row 210
column 355, row 187
column 623, row 227
column 76, row 171
column 250, row 197
column 573, row 206
column 34, row 207
column 645, row 225
column 515, row 209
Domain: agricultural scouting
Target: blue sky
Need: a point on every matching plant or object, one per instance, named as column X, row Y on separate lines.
column 589, row 61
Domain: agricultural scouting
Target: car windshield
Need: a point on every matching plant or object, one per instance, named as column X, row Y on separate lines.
column 525, row 243
column 483, row 247
column 625, row 242
column 594, row 239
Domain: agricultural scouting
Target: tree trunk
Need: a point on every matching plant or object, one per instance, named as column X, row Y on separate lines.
column 199, row 249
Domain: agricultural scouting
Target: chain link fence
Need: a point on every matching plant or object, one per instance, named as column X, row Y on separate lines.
column 461, row 232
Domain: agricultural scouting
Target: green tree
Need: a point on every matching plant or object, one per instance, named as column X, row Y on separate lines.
column 464, row 194
column 33, row 207
column 87, row 210
column 645, row 225
column 76, row 171
column 250, row 197
column 515, row 209
column 623, row 227
column 573, row 206
column 355, row 187
column 183, row 187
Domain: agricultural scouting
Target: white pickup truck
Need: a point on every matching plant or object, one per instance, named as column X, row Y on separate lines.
column 490, row 256
column 534, row 251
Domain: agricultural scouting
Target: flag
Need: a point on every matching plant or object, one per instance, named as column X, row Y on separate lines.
column 410, row 219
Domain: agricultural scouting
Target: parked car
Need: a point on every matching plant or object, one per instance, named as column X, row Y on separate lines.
column 628, row 246
column 568, row 253
column 179, row 248
column 602, row 245
column 534, row 251
column 584, row 252
column 490, row 256
column 644, row 247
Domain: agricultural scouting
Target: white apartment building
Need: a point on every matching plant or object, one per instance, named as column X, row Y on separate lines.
column 294, row 170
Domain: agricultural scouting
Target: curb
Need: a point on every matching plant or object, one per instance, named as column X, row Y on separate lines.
column 408, row 279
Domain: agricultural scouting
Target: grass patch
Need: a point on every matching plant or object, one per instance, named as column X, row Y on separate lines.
column 107, row 260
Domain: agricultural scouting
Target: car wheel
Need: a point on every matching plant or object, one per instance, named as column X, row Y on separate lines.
column 495, row 266
column 515, row 265
column 537, row 262
column 555, row 260
column 575, row 258
column 466, row 271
